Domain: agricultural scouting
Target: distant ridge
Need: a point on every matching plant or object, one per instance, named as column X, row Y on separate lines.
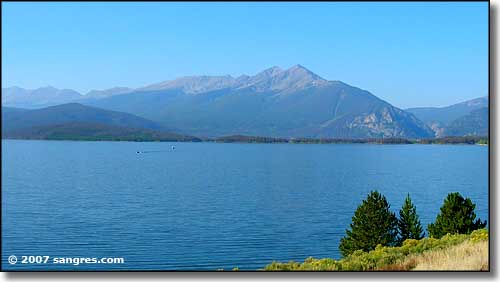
column 76, row 121
column 475, row 123
column 71, row 112
column 86, row 131
column 37, row 98
column 446, row 121
column 283, row 103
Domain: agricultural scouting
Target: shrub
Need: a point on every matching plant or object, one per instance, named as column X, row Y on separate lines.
column 383, row 258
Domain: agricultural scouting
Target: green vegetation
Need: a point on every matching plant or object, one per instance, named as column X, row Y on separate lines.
column 457, row 217
column 261, row 139
column 404, row 257
column 482, row 142
column 373, row 244
column 85, row 131
column 248, row 139
column 347, row 141
column 372, row 224
column 471, row 140
column 409, row 223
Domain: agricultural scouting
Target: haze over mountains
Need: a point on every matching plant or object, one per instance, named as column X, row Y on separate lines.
column 37, row 98
column 465, row 118
column 276, row 102
column 474, row 123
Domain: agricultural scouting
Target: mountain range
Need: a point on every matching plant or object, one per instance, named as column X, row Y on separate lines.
column 37, row 98
column 276, row 102
column 465, row 118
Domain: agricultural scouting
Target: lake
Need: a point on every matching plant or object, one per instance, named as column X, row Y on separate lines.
column 206, row 206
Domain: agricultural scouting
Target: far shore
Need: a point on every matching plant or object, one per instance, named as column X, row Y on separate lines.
column 462, row 140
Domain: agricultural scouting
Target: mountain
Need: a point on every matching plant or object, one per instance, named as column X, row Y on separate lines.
column 440, row 118
column 50, row 96
column 194, row 84
column 97, row 94
column 281, row 103
column 276, row 102
column 76, row 121
column 13, row 118
column 37, row 98
column 447, row 114
column 93, row 132
column 274, row 78
column 474, row 123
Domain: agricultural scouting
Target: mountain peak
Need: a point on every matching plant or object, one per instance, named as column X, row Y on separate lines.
column 273, row 78
column 481, row 101
column 298, row 66
column 108, row 92
column 195, row 84
column 276, row 79
column 274, row 68
column 48, row 87
column 269, row 72
column 13, row 88
column 303, row 71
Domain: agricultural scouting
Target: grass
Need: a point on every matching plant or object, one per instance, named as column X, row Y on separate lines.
column 452, row 252
column 465, row 256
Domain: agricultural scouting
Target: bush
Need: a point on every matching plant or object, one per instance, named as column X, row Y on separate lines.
column 372, row 224
column 381, row 258
column 457, row 216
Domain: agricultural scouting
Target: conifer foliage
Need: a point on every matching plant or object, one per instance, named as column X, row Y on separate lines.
column 372, row 224
column 457, row 216
column 409, row 223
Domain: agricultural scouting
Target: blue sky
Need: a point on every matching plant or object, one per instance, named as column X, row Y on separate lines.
column 410, row 54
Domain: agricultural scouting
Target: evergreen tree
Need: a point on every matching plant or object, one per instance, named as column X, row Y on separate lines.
column 457, row 216
column 372, row 224
column 409, row 223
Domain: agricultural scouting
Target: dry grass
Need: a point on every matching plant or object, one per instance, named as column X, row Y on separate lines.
column 451, row 252
column 465, row 256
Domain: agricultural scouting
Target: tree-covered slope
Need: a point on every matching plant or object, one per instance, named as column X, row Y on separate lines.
column 13, row 118
column 93, row 132
column 78, row 122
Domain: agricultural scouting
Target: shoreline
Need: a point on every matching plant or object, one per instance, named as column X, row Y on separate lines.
column 388, row 141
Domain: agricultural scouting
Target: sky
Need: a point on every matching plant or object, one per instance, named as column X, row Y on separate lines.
column 409, row 54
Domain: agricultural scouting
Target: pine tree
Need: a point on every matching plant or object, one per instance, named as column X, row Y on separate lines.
column 457, row 216
column 372, row 224
column 409, row 223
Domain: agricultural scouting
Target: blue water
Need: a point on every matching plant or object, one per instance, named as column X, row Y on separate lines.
column 206, row 206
